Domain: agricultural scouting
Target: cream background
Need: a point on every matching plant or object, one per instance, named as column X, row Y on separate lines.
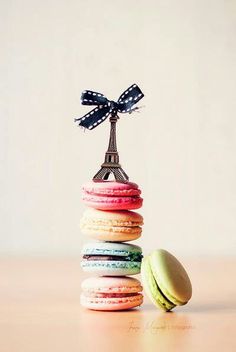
column 180, row 149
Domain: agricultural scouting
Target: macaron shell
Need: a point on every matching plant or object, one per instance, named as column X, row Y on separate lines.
column 105, row 284
column 171, row 277
column 111, row 218
column 111, row 304
column 151, row 288
column 112, row 188
column 119, row 235
column 107, row 248
column 112, row 203
column 110, row 267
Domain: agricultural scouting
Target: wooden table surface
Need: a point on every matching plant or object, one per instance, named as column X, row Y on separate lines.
column 40, row 311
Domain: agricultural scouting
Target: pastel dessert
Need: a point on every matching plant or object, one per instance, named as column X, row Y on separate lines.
column 165, row 280
column 112, row 195
column 117, row 225
column 111, row 258
column 111, row 293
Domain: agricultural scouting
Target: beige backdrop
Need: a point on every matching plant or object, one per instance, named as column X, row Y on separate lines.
column 180, row 149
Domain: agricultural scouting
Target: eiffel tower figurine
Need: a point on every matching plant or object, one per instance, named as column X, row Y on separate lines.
column 104, row 108
column 111, row 164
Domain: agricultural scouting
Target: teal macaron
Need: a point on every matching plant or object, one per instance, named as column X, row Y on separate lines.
column 165, row 280
column 111, row 258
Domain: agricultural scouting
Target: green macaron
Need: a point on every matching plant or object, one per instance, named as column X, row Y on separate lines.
column 165, row 280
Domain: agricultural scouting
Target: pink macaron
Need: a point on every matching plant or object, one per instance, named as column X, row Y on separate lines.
column 111, row 293
column 112, row 195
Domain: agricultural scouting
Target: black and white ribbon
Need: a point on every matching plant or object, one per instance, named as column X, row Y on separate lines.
column 107, row 107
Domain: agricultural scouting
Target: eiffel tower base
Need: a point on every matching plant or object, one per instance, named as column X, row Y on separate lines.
column 104, row 173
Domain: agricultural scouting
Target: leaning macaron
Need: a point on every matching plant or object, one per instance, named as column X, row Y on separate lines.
column 165, row 280
column 111, row 293
column 111, row 258
column 114, row 226
column 112, row 195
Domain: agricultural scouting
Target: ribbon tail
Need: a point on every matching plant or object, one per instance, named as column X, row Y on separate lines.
column 94, row 117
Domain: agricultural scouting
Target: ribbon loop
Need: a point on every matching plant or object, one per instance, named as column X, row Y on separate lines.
column 107, row 107
column 89, row 97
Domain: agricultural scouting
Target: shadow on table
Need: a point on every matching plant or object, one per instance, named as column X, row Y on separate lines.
column 197, row 308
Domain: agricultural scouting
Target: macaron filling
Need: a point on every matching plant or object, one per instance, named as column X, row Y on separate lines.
column 136, row 258
column 100, row 228
column 110, row 295
column 168, row 297
column 107, row 227
column 165, row 303
column 138, row 298
column 101, row 199
column 131, row 257
column 109, row 188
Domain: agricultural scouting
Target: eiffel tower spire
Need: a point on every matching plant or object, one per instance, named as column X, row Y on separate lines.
column 111, row 164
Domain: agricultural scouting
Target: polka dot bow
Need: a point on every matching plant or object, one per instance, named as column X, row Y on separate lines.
column 107, row 107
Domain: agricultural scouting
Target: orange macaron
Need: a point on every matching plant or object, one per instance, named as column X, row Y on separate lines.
column 112, row 226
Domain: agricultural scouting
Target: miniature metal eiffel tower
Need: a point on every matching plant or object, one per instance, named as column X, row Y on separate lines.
column 111, row 164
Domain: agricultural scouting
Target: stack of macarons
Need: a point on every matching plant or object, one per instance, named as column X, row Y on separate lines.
column 111, row 221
